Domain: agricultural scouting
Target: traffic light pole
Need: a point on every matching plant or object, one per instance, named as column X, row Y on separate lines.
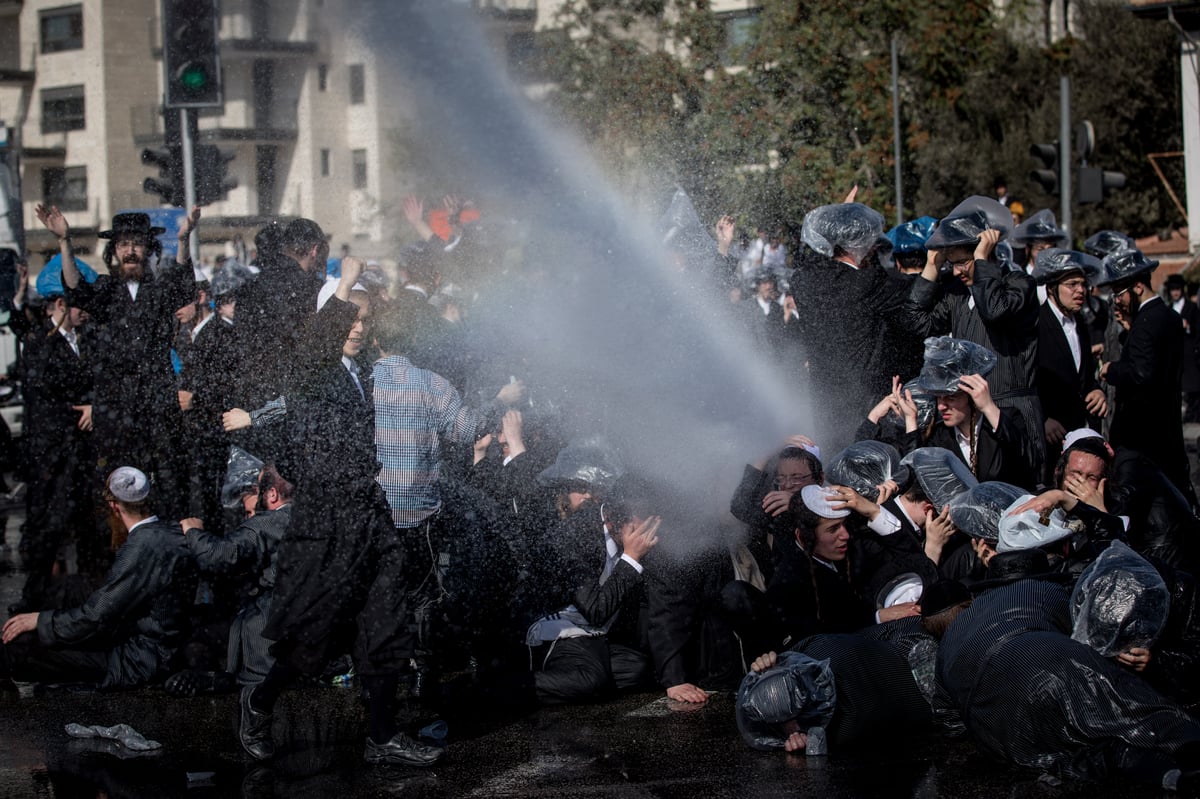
column 1064, row 151
column 189, row 182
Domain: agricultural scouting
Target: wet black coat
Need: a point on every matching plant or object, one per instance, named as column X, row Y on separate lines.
column 54, row 380
column 809, row 597
column 1002, row 454
column 1031, row 696
column 1146, row 416
column 135, row 412
column 1161, row 522
column 1175, row 659
column 1062, row 387
column 141, row 610
column 882, row 558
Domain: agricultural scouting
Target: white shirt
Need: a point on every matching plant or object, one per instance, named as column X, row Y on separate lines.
column 72, row 339
column 147, row 520
column 766, row 306
column 1072, row 333
column 196, row 330
column 132, row 285
column 964, row 443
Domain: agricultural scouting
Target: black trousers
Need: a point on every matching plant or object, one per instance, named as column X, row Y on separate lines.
column 587, row 669
column 24, row 658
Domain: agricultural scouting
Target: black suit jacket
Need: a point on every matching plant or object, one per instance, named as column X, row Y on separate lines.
column 1146, row 416
column 1062, row 387
column 54, row 380
column 1000, row 454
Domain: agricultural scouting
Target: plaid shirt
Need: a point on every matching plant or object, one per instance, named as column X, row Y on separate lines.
column 414, row 410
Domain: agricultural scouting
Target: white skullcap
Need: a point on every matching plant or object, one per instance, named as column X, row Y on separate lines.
column 330, row 287
column 907, row 587
column 128, row 484
column 819, row 500
column 1026, row 531
column 1079, row 435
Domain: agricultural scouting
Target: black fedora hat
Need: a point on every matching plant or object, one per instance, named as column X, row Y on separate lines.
column 135, row 223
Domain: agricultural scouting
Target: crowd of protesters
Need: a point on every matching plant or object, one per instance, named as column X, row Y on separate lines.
column 282, row 476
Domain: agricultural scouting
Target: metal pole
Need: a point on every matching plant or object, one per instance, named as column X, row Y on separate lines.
column 896, row 129
column 189, row 183
column 1064, row 151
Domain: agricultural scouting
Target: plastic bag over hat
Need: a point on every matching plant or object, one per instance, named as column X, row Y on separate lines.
column 1030, row 529
column 948, row 360
column 1106, row 242
column 926, row 403
column 963, row 226
column 241, row 473
column 1055, row 264
column 1120, row 602
column 852, row 228
column 1042, row 226
column 1123, row 265
column 797, row 688
column 591, row 460
column 977, row 510
column 912, row 235
column 864, row 465
column 941, row 476
column 49, row 280
column 229, row 278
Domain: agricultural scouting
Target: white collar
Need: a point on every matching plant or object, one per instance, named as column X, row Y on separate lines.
column 963, row 439
column 196, row 330
column 1062, row 318
column 147, row 520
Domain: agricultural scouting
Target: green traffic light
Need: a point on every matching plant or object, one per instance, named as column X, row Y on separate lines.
column 193, row 77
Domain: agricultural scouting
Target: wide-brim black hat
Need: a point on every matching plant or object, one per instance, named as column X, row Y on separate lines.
column 1124, row 266
column 135, row 223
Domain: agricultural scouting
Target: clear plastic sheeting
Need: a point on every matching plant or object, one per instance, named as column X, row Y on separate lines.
column 1042, row 226
column 796, row 689
column 939, row 474
column 592, row 460
column 1123, row 265
column 997, row 215
column 1030, row 529
column 948, row 360
column 241, row 474
column 682, row 229
column 1106, row 242
column 1120, row 602
column 963, row 226
column 912, row 235
column 864, row 465
column 121, row 733
column 851, row 228
column 1054, row 264
column 977, row 510
column 229, row 278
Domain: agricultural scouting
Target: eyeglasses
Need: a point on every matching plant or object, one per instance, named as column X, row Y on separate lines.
column 1074, row 285
column 1122, row 291
column 785, row 481
column 961, row 265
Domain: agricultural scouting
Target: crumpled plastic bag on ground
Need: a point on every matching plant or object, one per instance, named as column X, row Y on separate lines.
column 122, row 733
column 797, row 688
column 941, row 475
column 1120, row 602
column 864, row 465
column 977, row 510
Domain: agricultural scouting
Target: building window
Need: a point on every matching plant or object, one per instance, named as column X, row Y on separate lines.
column 322, row 77
column 741, row 33
column 62, row 29
column 358, row 84
column 324, row 163
column 360, row 168
column 62, row 109
column 65, row 187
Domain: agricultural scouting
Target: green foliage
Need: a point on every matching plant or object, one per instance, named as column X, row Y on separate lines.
column 807, row 113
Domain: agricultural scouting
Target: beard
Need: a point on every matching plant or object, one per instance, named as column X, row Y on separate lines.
column 132, row 270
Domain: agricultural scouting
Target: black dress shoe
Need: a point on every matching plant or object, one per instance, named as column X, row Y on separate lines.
column 400, row 750
column 254, row 728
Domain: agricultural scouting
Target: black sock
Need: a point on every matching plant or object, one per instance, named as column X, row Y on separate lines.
column 381, row 706
column 264, row 697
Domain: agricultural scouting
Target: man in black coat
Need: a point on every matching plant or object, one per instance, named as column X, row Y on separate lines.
column 135, row 412
column 1032, row 696
column 1189, row 314
column 1066, row 376
column 56, row 434
column 126, row 633
column 1147, row 375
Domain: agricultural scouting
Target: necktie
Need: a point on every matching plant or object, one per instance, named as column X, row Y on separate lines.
column 353, row 370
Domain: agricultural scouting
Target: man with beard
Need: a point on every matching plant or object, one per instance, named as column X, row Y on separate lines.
column 135, row 411
column 1146, row 377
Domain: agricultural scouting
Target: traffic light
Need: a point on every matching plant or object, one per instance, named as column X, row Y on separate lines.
column 169, row 184
column 212, row 180
column 191, row 62
column 1094, row 183
column 1048, row 176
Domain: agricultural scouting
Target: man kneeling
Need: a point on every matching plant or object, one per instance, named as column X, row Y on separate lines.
column 125, row 634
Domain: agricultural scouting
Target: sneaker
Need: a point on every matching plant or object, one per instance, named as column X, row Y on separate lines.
column 401, row 750
column 254, row 728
